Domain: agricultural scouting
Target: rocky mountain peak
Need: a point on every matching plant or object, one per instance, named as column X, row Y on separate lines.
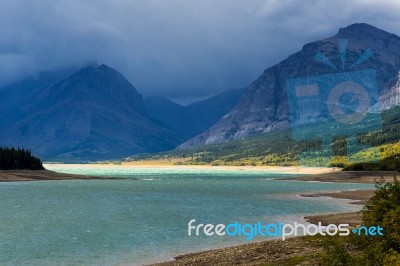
column 360, row 29
column 264, row 106
column 100, row 85
column 95, row 113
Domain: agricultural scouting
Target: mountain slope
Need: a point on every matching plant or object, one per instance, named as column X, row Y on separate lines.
column 392, row 98
column 195, row 118
column 279, row 148
column 168, row 112
column 93, row 114
column 264, row 108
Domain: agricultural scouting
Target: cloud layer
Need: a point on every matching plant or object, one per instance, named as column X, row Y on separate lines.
column 181, row 49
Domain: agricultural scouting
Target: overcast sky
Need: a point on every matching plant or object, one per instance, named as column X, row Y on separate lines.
column 180, row 49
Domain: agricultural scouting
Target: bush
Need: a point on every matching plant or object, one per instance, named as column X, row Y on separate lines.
column 337, row 255
column 383, row 210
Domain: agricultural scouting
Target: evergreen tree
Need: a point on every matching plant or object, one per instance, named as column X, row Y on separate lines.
column 17, row 159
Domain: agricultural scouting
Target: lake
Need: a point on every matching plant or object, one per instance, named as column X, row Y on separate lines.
column 144, row 217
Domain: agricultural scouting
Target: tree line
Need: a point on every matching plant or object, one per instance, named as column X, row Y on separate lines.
column 18, row 159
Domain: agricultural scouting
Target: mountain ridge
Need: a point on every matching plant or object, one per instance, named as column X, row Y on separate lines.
column 93, row 114
column 264, row 108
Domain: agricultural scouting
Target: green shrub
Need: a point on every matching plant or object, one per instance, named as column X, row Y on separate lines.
column 384, row 209
column 337, row 255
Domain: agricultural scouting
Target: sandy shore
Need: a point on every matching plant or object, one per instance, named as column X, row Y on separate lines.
column 357, row 196
column 39, row 175
column 351, row 218
column 273, row 252
column 350, row 176
column 163, row 165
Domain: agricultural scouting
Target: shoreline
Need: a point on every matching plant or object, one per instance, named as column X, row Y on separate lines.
column 276, row 251
column 300, row 170
column 43, row 175
column 357, row 197
column 366, row 177
column 257, row 253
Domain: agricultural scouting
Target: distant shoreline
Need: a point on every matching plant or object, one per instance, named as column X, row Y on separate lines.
column 42, row 175
column 301, row 170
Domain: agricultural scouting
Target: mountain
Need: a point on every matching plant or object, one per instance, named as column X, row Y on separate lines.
column 392, row 98
column 93, row 114
column 279, row 148
column 166, row 111
column 264, row 106
column 14, row 94
column 195, row 118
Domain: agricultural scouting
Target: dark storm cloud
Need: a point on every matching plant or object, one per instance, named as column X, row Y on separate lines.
column 179, row 49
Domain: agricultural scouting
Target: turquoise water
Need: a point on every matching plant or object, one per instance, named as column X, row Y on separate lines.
column 143, row 218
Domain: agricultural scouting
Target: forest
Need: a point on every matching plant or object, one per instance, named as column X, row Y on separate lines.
column 18, row 159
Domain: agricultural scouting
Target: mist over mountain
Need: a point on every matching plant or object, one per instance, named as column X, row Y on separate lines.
column 195, row 118
column 264, row 106
column 95, row 113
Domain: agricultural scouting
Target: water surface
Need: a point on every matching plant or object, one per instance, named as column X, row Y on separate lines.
column 144, row 217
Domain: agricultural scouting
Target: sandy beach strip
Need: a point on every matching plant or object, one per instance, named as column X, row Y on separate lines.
column 40, row 175
column 356, row 196
column 301, row 170
column 259, row 253
column 369, row 177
